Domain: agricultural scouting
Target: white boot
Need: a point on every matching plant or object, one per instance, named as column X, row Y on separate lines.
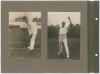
column 30, row 48
column 67, row 56
column 59, row 53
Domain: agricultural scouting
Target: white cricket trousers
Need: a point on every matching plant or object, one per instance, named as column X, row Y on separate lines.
column 63, row 39
column 32, row 42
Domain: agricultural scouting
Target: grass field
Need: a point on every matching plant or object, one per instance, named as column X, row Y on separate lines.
column 73, row 45
column 18, row 41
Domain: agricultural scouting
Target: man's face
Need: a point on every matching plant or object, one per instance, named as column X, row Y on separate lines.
column 63, row 24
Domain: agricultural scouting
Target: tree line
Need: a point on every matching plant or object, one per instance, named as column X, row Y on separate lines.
column 73, row 31
column 23, row 19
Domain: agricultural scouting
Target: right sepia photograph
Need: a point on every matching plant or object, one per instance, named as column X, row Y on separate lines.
column 64, row 35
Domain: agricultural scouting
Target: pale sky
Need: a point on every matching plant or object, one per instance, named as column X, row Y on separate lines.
column 30, row 15
column 57, row 17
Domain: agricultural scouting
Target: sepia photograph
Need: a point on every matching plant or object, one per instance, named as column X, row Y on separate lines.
column 24, row 34
column 49, row 37
column 64, row 35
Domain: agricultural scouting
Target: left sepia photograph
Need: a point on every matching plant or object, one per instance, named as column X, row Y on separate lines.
column 25, row 34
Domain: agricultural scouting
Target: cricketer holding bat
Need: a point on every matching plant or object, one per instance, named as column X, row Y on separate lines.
column 63, row 39
column 32, row 29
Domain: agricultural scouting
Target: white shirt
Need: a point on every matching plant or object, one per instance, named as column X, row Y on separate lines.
column 63, row 31
column 34, row 28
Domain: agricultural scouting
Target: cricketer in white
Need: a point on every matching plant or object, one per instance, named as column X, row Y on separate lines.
column 63, row 39
column 32, row 29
